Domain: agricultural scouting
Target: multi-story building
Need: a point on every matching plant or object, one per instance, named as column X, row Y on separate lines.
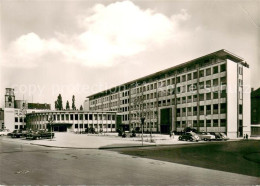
column 2, row 119
column 73, row 120
column 209, row 93
column 15, row 110
column 255, row 112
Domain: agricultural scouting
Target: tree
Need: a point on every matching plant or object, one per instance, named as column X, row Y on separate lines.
column 67, row 105
column 81, row 108
column 73, row 103
column 58, row 103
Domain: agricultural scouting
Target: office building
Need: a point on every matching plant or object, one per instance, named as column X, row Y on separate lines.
column 255, row 112
column 209, row 93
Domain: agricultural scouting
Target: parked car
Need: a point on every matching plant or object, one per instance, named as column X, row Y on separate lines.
column 188, row 137
column 206, row 136
column 39, row 135
column 224, row 136
column 16, row 134
column 4, row 132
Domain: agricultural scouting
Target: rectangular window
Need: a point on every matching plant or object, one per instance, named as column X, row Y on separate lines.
column 223, row 68
column 76, row 126
column 189, row 77
column 90, row 117
column 208, row 123
column 195, row 98
column 215, row 123
column 208, row 95
column 215, row 70
column 208, row 84
column 201, row 84
column 215, row 109
column 208, row 71
column 86, row 117
column 223, row 94
column 215, row 95
column 201, row 73
column 195, row 111
column 178, row 79
column 71, row 117
column 240, row 109
column 21, row 119
column 195, row 75
column 183, row 78
column 223, row 123
column 215, row 82
column 183, row 99
column 178, row 112
column 16, row 119
column 223, row 107
column 16, row 126
column 178, row 100
column 201, row 123
column 62, row 117
column 201, row 110
column 195, row 123
column 201, row 97
column 208, row 110
column 178, row 124
column 76, row 117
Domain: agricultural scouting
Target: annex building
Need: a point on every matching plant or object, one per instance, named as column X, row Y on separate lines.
column 73, row 121
column 210, row 93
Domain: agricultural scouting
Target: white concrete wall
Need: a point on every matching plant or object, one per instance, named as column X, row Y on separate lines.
column 246, row 101
column 9, row 118
column 232, row 99
column 86, row 105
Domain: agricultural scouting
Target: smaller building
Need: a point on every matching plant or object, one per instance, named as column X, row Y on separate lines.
column 255, row 112
column 73, row 121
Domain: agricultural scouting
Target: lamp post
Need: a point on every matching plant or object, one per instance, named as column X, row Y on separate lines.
column 142, row 124
column 50, row 120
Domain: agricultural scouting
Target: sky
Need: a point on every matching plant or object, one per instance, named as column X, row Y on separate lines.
column 82, row 47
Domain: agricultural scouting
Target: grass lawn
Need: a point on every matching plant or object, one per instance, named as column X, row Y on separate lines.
column 241, row 157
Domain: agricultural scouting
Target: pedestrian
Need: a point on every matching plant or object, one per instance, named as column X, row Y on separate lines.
column 247, row 136
column 244, row 136
column 170, row 134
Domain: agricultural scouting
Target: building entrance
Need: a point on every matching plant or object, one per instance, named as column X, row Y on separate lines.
column 165, row 120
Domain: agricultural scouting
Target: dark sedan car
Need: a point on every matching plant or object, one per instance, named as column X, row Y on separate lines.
column 188, row 137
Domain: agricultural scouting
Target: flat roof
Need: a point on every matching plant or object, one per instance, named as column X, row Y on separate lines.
column 220, row 53
column 69, row 111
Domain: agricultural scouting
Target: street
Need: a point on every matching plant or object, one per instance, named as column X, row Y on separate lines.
column 30, row 164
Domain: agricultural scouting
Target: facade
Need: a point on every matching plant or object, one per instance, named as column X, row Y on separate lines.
column 72, row 120
column 2, row 119
column 255, row 112
column 208, row 93
column 15, row 110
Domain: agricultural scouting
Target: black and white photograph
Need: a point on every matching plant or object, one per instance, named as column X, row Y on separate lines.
column 129, row 92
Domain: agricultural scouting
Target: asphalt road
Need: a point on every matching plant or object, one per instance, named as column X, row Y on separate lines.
column 29, row 164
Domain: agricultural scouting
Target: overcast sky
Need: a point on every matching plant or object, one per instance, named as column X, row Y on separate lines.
column 82, row 47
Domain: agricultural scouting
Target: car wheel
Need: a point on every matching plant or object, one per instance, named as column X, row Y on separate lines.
column 205, row 139
column 180, row 139
column 191, row 139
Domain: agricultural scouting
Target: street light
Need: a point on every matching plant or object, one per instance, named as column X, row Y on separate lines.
column 142, row 124
column 50, row 120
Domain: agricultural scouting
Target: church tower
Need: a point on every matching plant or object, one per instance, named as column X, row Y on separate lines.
column 9, row 98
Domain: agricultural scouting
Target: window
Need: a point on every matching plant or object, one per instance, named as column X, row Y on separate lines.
column 85, row 126
column 183, row 111
column 195, row 123
column 208, row 84
column 215, row 70
column 223, row 68
column 215, row 95
column 76, row 116
column 189, row 99
column 86, row 117
column 81, row 116
column 189, row 111
column 223, row 94
column 240, row 109
column 215, row 82
column 208, row 71
column 195, row 75
column 223, row 123
column 215, row 109
column 90, row 117
column 201, row 110
column 208, row 123
column 208, row 95
column 58, row 117
column 76, row 126
column 189, row 77
column 201, row 73
column 183, row 78
column 223, row 80
column 201, row 123
column 21, row 120
column 16, row 119
column 215, row 123
column 178, row 100
column 208, row 110
column 71, row 117
column 178, row 79
column 195, row 111
column 178, row 124
column 183, row 99
column 201, row 97
column 16, row 126
column 62, row 117
column 201, row 84
column 178, row 112
column 223, row 107
column 195, row 98
column 240, row 70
